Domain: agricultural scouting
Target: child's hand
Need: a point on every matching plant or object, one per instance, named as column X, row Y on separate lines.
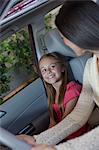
column 42, row 147
column 29, row 139
column 52, row 123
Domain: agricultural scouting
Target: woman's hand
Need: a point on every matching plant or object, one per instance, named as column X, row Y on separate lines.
column 42, row 147
column 29, row 139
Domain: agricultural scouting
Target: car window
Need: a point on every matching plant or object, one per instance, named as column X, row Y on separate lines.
column 17, row 67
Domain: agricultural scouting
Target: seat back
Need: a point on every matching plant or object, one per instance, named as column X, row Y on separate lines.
column 55, row 43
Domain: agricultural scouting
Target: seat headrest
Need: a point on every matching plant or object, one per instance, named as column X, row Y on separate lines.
column 54, row 42
column 77, row 66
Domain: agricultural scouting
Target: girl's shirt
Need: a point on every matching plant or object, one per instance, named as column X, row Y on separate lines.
column 73, row 90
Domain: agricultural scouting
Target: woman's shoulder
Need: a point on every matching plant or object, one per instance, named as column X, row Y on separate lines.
column 90, row 60
column 89, row 65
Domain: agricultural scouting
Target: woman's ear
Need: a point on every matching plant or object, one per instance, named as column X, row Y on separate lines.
column 67, row 42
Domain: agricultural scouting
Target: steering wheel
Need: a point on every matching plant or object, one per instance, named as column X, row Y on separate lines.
column 12, row 142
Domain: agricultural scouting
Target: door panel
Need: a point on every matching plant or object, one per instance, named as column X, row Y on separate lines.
column 27, row 106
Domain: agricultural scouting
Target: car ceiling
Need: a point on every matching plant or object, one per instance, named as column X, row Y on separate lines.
column 13, row 23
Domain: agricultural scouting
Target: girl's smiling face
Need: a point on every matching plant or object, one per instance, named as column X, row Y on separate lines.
column 51, row 70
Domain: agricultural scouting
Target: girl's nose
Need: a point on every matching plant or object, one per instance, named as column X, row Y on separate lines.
column 49, row 70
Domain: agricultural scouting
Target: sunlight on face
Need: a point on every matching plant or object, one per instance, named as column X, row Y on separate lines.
column 79, row 51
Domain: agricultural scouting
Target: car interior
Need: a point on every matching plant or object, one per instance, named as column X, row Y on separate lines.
column 27, row 111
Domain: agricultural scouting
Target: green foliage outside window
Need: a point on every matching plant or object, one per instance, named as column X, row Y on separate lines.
column 15, row 52
column 48, row 19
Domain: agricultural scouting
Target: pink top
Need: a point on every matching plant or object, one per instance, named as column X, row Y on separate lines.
column 73, row 90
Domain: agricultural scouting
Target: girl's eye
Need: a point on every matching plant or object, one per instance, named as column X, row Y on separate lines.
column 43, row 70
column 52, row 66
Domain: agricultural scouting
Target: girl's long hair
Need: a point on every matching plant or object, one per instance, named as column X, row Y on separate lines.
column 50, row 90
column 78, row 21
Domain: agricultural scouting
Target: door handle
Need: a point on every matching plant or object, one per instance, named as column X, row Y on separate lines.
column 29, row 129
column 2, row 113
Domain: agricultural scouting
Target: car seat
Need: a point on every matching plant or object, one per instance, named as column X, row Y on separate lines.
column 54, row 42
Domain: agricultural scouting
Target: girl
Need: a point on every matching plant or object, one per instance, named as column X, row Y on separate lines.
column 62, row 94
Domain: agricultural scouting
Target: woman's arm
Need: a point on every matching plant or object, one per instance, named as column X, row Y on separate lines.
column 89, row 141
column 75, row 120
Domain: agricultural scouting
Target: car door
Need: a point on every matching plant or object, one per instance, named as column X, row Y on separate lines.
column 26, row 112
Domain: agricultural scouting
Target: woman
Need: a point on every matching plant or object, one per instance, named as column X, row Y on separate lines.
column 78, row 23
